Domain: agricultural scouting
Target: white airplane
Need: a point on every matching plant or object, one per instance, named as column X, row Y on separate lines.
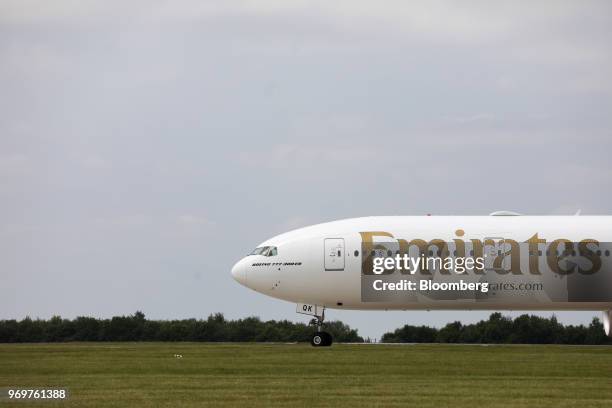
column 504, row 261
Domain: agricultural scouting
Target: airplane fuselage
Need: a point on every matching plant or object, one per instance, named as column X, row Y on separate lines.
column 508, row 263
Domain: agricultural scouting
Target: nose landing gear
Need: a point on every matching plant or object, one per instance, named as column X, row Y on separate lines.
column 320, row 338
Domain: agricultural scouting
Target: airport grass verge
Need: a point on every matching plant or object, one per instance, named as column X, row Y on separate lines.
column 297, row 375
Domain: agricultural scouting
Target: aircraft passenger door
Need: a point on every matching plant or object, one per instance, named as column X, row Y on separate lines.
column 334, row 254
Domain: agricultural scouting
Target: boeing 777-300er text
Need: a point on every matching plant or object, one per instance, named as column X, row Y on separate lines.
column 503, row 261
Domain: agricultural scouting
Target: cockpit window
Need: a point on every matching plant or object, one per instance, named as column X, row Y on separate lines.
column 265, row 251
column 259, row 250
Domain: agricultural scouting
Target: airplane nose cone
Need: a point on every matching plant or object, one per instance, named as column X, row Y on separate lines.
column 239, row 273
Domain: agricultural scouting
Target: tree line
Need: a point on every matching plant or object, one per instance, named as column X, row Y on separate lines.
column 137, row 328
column 526, row 329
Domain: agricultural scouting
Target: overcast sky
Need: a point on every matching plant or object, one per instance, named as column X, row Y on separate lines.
column 146, row 146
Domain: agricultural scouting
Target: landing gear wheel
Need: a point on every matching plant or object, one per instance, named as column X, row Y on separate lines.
column 317, row 340
column 328, row 339
column 321, row 339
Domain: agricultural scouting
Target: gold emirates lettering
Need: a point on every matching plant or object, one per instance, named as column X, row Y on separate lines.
column 553, row 255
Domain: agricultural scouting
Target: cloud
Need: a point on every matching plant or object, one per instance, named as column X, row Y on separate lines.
column 474, row 21
column 95, row 162
column 193, row 220
column 128, row 220
column 283, row 156
column 24, row 12
column 478, row 117
column 13, row 162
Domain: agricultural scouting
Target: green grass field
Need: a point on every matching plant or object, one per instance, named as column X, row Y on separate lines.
column 262, row 375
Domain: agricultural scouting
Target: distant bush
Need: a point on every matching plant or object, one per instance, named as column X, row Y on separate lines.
column 137, row 328
column 525, row 329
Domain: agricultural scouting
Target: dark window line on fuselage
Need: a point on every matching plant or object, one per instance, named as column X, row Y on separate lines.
column 531, row 253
